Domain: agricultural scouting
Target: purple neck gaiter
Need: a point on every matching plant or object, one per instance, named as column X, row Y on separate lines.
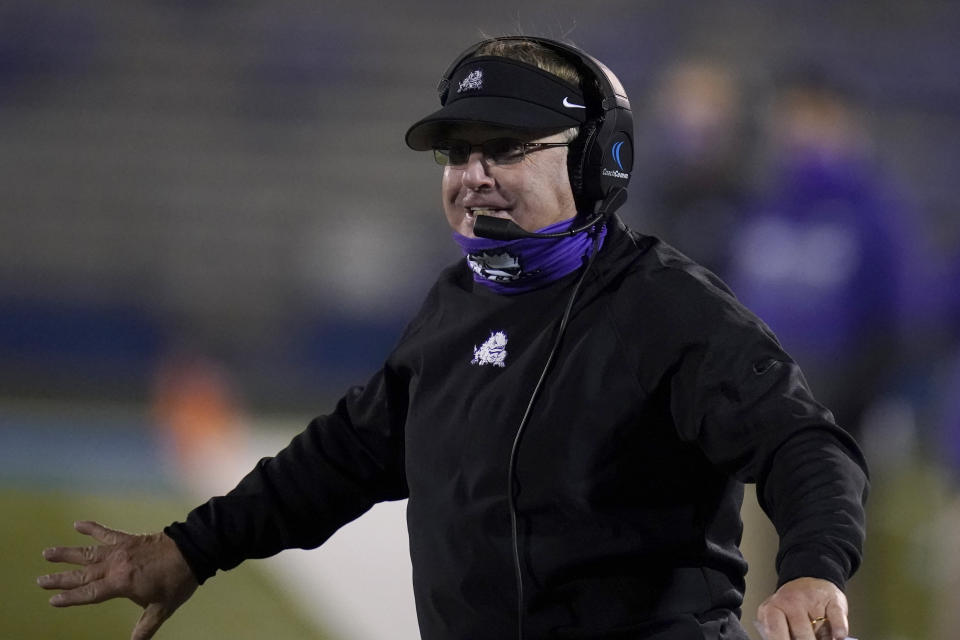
column 518, row 266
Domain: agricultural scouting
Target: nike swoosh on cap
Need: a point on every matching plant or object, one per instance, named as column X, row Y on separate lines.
column 570, row 105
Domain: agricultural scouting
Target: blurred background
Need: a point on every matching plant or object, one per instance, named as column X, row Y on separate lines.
column 210, row 226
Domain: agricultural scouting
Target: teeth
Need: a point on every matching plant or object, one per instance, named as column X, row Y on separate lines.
column 483, row 212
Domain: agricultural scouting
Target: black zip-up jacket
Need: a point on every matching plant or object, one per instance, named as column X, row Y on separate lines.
column 666, row 395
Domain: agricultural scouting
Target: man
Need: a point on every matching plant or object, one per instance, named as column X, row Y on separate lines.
column 571, row 416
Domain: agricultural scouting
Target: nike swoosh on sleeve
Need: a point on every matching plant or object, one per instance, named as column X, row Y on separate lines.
column 570, row 105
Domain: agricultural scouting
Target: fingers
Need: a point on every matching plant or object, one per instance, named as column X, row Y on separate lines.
column 775, row 624
column 99, row 532
column 800, row 626
column 71, row 579
column 804, row 609
column 90, row 593
column 88, row 554
column 75, row 555
column 837, row 619
column 150, row 620
column 772, row 623
column 821, row 628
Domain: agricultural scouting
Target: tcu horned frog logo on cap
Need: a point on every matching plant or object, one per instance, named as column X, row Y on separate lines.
column 474, row 80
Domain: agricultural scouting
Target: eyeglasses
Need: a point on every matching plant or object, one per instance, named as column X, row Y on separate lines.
column 498, row 151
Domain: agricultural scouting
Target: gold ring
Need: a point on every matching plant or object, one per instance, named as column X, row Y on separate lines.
column 814, row 621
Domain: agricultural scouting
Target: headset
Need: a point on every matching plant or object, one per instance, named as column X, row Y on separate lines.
column 599, row 163
column 600, row 160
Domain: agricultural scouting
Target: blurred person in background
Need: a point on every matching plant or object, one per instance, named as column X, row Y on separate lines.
column 199, row 419
column 829, row 256
column 945, row 378
column 693, row 168
column 946, row 569
column 821, row 256
column 581, row 474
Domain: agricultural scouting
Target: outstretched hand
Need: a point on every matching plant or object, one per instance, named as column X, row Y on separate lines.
column 147, row 569
column 804, row 609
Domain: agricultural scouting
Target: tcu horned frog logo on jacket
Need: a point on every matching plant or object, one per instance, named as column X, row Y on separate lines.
column 493, row 351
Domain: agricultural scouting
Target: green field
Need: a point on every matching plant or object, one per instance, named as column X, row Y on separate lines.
column 237, row 605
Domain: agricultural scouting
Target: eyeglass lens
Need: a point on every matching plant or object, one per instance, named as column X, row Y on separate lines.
column 496, row 151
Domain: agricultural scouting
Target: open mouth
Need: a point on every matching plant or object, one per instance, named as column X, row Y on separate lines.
column 473, row 212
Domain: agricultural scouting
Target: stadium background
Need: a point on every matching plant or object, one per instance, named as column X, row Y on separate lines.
column 210, row 226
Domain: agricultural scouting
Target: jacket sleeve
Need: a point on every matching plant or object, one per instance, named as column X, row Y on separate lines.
column 328, row 475
column 747, row 405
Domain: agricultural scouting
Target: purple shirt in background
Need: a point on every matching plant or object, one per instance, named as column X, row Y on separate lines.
column 821, row 259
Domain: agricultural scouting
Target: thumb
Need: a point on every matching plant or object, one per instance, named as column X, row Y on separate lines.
column 150, row 620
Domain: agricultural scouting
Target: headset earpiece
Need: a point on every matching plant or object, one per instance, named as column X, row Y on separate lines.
column 576, row 157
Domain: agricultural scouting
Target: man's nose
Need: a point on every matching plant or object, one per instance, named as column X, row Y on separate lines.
column 476, row 173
